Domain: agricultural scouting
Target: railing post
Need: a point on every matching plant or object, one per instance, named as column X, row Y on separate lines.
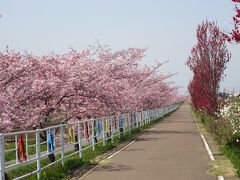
column 47, row 133
column 144, row 118
column 124, row 124
column 133, row 120
column 129, row 123
column 16, row 145
column 103, row 131
column 2, row 157
column 112, row 130
column 26, row 140
column 93, row 135
column 38, row 153
column 140, row 118
column 151, row 115
column 118, row 126
column 80, row 139
column 136, row 116
column 54, row 137
column 62, row 143
column 152, row 112
column 84, row 131
column 147, row 116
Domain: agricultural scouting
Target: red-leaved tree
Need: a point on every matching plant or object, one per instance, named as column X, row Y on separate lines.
column 207, row 62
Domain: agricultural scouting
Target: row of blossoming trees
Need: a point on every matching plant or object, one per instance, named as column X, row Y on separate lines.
column 38, row 90
column 208, row 61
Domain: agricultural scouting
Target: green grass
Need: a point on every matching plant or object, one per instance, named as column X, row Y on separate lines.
column 74, row 162
column 232, row 151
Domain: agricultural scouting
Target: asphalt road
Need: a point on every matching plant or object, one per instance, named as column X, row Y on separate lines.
column 171, row 150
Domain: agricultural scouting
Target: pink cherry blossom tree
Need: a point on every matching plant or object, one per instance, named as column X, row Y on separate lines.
column 36, row 91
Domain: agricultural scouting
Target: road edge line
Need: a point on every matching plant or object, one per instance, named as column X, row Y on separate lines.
column 210, row 154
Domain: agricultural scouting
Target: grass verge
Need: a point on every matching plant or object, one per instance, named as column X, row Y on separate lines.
column 232, row 151
column 227, row 144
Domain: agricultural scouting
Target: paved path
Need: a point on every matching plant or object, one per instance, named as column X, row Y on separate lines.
column 171, row 150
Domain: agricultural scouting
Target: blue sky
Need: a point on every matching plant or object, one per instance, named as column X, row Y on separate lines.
column 166, row 28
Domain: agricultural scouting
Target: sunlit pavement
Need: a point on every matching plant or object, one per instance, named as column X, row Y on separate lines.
column 173, row 149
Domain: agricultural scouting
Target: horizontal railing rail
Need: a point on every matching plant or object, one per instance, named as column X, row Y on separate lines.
column 72, row 138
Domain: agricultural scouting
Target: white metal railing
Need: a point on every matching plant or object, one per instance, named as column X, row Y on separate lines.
column 85, row 133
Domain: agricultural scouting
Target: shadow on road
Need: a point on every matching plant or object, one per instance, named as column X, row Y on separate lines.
column 149, row 139
column 176, row 121
column 114, row 168
column 129, row 150
column 171, row 132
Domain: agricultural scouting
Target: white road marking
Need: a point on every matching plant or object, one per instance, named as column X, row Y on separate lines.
column 210, row 154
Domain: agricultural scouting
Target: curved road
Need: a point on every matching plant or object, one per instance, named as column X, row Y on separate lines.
column 171, row 150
